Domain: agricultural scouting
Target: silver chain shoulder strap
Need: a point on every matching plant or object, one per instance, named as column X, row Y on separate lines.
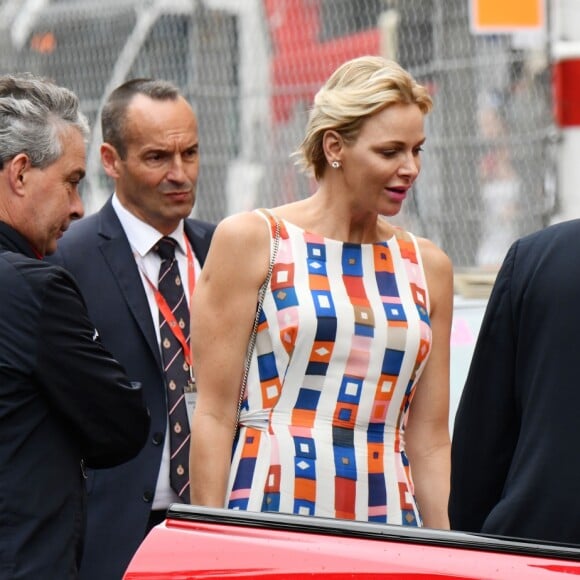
column 253, row 336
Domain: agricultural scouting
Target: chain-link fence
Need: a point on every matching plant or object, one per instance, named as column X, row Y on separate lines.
column 251, row 68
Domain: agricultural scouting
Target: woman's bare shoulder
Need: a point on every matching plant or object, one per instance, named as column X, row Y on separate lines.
column 438, row 271
column 241, row 230
column 433, row 255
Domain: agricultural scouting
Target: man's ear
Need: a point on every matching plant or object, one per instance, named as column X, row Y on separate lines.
column 18, row 169
column 332, row 145
column 110, row 160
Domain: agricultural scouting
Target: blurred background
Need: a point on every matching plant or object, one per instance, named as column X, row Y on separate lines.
column 500, row 158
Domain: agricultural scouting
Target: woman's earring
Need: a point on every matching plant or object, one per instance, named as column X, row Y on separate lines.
column 335, row 164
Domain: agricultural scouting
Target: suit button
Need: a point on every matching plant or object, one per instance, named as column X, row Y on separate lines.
column 148, row 496
column 157, row 438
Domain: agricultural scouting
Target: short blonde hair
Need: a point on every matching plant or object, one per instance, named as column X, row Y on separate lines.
column 356, row 90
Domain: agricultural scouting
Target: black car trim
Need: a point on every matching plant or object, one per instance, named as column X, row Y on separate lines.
column 372, row 531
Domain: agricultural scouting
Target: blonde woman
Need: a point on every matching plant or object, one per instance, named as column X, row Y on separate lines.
column 345, row 413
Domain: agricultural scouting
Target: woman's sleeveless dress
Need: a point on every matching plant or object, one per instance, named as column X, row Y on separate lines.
column 343, row 338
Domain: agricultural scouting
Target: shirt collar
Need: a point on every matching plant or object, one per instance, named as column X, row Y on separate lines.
column 140, row 234
column 13, row 240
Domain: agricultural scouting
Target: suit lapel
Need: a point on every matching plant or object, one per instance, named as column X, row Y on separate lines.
column 118, row 255
column 199, row 237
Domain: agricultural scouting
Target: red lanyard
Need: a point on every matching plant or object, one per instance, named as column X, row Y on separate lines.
column 164, row 308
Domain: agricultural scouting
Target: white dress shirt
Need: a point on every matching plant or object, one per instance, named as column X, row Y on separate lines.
column 142, row 238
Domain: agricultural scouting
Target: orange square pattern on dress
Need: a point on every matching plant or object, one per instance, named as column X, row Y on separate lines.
column 344, row 415
column 288, row 337
column 303, row 417
column 383, row 259
column 424, row 347
column 251, row 443
column 385, row 387
column 305, row 489
column 408, row 251
column 321, row 351
column 270, row 392
column 397, row 446
column 318, row 282
column 376, row 454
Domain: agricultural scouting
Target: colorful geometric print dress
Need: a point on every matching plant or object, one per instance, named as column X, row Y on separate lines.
column 343, row 338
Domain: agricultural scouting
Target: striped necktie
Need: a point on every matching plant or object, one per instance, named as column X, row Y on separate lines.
column 176, row 368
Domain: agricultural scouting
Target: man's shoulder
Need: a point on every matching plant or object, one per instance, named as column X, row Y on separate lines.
column 24, row 272
column 552, row 247
column 18, row 262
column 561, row 231
column 86, row 234
column 199, row 227
column 78, row 230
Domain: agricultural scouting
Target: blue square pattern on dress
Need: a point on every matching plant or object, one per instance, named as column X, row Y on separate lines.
column 285, row 297
column 394, row 312
column 409, row 518
column 316, row 368
column 326, row 329
column 304, row 467
column 350, row 389
column 345, row 462
column 387, row 284
column 303, row 507
column 376, row 433
column 307, row 399
column 317, row 267
column 352, row 260
column 245, row 473
column 377, row 489
column 316, row 251
column 238, row 504
column 423, row 314
column 364, row 330
column 323, row 303
column 392, row 361
column 304, row 447
column 267, row 366
column 271, row 502
column 345, row 414
column 261, row 317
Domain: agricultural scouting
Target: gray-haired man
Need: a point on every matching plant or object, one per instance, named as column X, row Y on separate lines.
column 64, row 401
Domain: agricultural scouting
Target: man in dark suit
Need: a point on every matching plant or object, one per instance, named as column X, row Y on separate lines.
column 65, row 402
column 151, row 151
column 514, row 465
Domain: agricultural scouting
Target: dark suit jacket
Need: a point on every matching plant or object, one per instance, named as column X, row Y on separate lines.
column 63, row 399
column 515, row 468
column 96, row 251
